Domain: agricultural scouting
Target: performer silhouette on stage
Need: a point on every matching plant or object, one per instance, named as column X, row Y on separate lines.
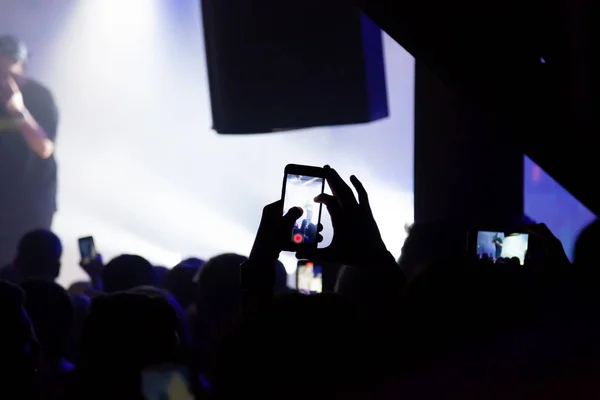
column 28, row 125
column 498, row 242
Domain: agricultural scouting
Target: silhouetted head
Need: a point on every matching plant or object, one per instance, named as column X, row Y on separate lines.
column 193, row 262
column 126, row 272
column 13, row 55
column 129, row 330
column 218, row 289
column 514, row 261
column 183, row 328
column 51, row 312
column 586, row 247
column 123, row 333
column 218, row 296
column 38, row 255
column 180, row 282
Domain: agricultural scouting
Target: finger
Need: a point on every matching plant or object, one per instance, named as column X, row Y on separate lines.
column 272, row 211
column 324, row 198
column 319, row 238
column 320, row 227
column 363, row 197
column 293, row 214
column 339, row 188
column 290, row 218
column 333, row 206
column 271, row 207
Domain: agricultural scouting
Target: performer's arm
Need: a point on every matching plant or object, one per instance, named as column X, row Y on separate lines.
column 35, row 135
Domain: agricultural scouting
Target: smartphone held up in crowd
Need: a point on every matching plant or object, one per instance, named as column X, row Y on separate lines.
column 301, row 184
column 87, row 249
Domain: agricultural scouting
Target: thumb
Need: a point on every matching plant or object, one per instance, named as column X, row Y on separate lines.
column 291, row 217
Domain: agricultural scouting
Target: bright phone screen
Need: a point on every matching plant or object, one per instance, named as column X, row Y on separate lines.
column 300, row 191
column 309, row 277
column 87, row 249
column 498, row 246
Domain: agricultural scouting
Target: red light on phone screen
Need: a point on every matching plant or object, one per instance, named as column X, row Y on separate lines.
column 298, row 238
column 310, row 265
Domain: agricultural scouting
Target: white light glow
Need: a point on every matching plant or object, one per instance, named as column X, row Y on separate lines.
column 139, row 167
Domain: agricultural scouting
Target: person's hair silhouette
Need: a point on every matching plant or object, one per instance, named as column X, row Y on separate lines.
column 126, row 272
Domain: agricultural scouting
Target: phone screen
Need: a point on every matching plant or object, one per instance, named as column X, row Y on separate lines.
column 300, row 191
column 167, row 382
column 500, row 247
column 309, row 277
column 87, row 249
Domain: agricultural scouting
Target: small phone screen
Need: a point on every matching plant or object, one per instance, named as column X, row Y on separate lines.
column 501, row 248
column 170, row 382
column 87, row 249
column 300, row 191
column 309, row 278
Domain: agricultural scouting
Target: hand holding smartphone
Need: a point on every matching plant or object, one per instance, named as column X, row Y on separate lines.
column 301, row 184
column 87, row 250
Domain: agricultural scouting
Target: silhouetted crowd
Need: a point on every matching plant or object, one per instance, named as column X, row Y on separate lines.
column 438, row 323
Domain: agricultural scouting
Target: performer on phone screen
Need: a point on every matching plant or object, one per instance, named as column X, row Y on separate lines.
column 28, row 125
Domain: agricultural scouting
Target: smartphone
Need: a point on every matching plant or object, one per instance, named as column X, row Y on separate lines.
column 87, row 249
column 170, row 382
column 309, row 277
column 301, row 184
column 502, row 247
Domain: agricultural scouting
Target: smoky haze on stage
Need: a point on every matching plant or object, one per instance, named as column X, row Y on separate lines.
column 139, row 166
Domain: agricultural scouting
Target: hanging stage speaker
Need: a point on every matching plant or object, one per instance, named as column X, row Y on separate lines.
column 275, row 65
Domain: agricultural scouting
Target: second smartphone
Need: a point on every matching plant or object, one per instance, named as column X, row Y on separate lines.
column 87, row 249
column 301, row 184
column 309, row 277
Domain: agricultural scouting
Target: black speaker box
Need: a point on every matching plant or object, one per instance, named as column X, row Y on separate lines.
column 278, row 65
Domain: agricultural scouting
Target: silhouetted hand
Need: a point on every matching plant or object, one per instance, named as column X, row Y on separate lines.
column 93, row 268
column 258, row 273
column 356, row 238
column 545, row 249
column 273, row 232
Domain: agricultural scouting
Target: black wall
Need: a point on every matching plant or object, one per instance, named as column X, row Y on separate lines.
column 462, row 172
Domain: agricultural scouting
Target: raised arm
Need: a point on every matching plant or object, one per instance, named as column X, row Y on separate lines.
column 38, row 126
